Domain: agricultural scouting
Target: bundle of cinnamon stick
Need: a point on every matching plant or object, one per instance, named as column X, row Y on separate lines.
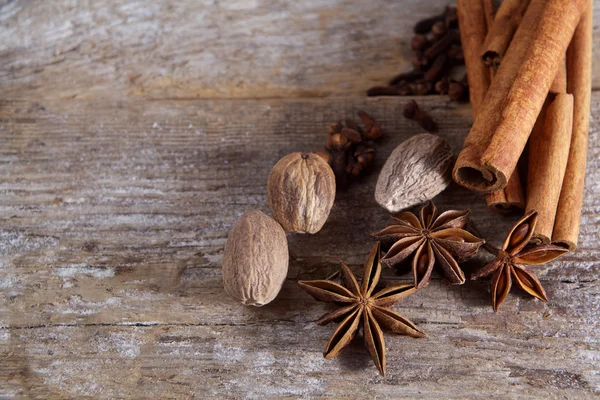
column 529, row 74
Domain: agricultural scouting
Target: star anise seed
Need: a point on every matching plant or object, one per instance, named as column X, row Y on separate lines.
column 514, row 255
column 431, row 239
column 359, row 305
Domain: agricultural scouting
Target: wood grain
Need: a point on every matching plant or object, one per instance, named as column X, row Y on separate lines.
column 208, row 49
column 114, row 215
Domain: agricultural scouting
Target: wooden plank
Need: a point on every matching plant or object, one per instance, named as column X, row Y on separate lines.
column 113, row 219
column 208, row 49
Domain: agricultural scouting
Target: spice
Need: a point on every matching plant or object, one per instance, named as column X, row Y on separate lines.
column 510, row 262
column 502, row 127
column 412, row 111
column 510, row 199
column 417, row 170
column 349, row 147
column 301, row 191
column 579, row 71
column 471, row 19
column 472, row 24
column 360, row 305
column 431, row 239
column 255, row 261
column 548, row 155
column 436, row 50
column 501, row 31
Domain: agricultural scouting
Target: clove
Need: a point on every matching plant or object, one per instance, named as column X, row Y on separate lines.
column 407, row 77
column 442, row 45
column 437, row 68
column 412, row 111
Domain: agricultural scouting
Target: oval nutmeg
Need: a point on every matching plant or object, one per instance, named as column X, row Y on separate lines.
column 301, row 191
column 255, row 261
column 416, row 171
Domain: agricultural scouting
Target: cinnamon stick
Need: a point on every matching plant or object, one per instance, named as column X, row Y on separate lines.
column 548, row 154
column 515, row 97
column 472, row 26
column 500, row 33
column 559, row 84
column 488, row 12
column 579, row 69
column 510, row 198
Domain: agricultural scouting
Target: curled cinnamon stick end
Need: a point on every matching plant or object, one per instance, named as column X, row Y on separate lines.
column 510, row 199
column 471, row 173
column 501, row 31
column 579, row 68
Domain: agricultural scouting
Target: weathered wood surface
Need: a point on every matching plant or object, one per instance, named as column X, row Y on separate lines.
column 208, row 48
column 116, row 201
column 113, row 220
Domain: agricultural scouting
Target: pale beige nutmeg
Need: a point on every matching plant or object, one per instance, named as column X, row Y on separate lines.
column 416, row 171
column 255, row 262
column 301, row 191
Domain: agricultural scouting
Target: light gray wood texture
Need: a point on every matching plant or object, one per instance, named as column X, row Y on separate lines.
column 208, row 48
column 116, row 200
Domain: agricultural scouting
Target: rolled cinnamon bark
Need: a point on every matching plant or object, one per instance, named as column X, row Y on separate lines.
column 509, row 199
column 548, row 154
column 517, row 94
column 488, row 12
column 579, row 68
column 500, row 33
column 559, row 84
column 472, row 24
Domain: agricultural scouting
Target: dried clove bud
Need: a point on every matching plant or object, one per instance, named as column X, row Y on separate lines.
column 412, row 111
column 336, row 127
column 364, row 156
column 437, row 67
column 353, row 168
column 400, row 89
column 439, row 29
column 451, row 17
column 455, row 53
column 337, row 142
column 383, row 91
column 457, row 91
column 407, row 77
column 419, row 42
column 423, row 87
column 441, row 86
column 424, row 26
column 372, row 128
column 418, row 59
column 442, row 45
column 352, row 135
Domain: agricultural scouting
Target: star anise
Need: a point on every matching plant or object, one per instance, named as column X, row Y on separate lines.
column 515, row 253
column 360, row 306
column 432, row 239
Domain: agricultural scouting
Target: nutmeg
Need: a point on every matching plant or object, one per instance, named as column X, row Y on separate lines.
column 255, row 261
column 416, row 171
column 301, row 191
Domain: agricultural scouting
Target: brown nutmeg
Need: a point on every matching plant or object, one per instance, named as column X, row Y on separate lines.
column 301, row 191
column 255, row 261
column 416, row 171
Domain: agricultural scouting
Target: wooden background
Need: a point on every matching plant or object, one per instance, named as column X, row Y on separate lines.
column 135, row 133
